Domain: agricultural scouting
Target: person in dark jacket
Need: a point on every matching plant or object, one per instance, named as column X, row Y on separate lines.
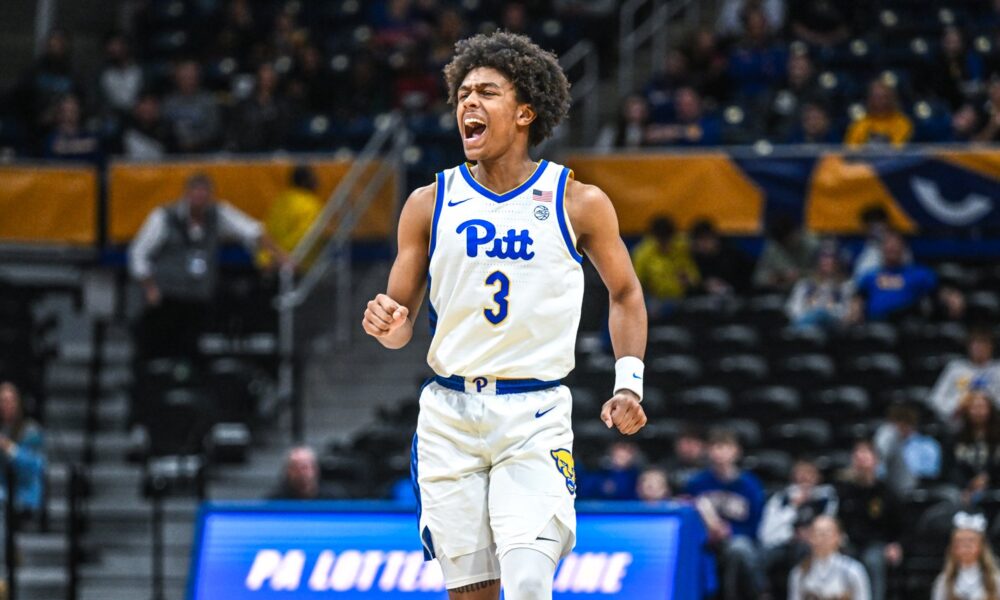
column 870, row 514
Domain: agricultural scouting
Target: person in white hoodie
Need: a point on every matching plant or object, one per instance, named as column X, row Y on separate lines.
column 787, row 514
column 979, row 370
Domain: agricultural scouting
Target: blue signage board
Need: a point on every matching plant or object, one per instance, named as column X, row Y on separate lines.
column 370, row 550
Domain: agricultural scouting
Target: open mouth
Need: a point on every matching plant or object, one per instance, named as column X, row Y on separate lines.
column 475, row 128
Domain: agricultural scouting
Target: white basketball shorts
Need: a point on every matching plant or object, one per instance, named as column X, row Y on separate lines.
column 492, row 468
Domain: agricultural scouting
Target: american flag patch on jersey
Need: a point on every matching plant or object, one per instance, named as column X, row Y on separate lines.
column 541, row 196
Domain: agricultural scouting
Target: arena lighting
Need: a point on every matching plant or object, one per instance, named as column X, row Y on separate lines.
column 361, row 550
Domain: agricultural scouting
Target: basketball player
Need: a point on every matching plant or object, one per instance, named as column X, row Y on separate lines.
column 499, row 245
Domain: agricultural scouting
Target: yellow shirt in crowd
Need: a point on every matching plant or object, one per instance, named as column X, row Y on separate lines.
column 895, row 129
column 290, row 216
column 665, row 275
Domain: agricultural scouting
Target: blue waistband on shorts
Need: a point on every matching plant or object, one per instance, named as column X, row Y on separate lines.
column 492, row 385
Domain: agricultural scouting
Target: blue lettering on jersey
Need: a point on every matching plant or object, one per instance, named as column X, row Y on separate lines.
column 513, row 245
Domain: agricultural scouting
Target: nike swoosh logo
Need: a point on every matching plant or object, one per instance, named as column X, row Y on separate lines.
column 452, row 203
column 636, row 376
column 539, row 414
column 545, row 539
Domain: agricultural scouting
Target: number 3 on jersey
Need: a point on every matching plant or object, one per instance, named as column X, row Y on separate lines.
column 498, row 314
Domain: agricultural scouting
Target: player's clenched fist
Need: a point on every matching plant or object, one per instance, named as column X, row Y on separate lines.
column 383, row 316
column 624, row 412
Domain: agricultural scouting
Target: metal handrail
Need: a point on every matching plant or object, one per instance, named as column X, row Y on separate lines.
column 585, row 89
column 631, row 37
column 345, row 206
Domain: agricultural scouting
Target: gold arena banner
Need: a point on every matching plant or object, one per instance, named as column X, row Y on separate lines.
column 44, row 205
column 135, row 189
column 685, row 188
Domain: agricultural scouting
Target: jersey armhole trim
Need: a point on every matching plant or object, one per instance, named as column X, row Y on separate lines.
column 563, row 217
column 438, row 202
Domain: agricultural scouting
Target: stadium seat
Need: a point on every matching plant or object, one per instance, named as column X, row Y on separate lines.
column 705, row 402
column 773, row 467
column 874, row 371
column 768, row 404
column 840, row 402
column 802, row 436
column 790, row 341
column 674, row 370
column 806, row 370
column 656, row 439
column 733, row 338
column 747, row 430
column 668, row 339
column 739, row 370
column 983, row 306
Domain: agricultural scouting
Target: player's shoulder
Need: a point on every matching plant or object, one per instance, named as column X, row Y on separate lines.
column 585, row 194
column 423, row 194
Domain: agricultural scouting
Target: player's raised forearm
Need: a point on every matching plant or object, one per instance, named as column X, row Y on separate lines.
column 627, row 321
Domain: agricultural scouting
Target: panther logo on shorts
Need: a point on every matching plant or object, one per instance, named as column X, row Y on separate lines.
column 566, row 466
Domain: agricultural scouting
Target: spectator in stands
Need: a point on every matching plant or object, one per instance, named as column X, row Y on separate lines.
column 964, row 124
column 825, row 22
column 414, row 88
column 910, row 456
column 120, row 80
column 174, row 259
column 366, row 92
column 630, row 129
column 312, row 88
column 661, row 90
column 449, row 28
column 876, row 223
column 192, row 112
column 737, row 497
column 239, row 32
column 784, row 103
column 260, row 122
column 756, row 62
column 22, row 443
column 975, row 454
column 970, row 568
column 300, row 480
column 814, row 127
column 147, row 136
column 395, row 23
column 978, row 371
column 786, row 515
column 991, row 113
column 871, row 516
column 895, row 289
column 723, row 268
column 688, row 458
column 51, row 77
column 823, row 298
column 653, row 485
column 883, row 123
column 690, row 126
column 664, row 265
column 707, row 64
column 618, row 473
column 956, row 73
column 730, row 22
column 70, row 139
column 789, row 253
column 292, row 213
column 826, row 573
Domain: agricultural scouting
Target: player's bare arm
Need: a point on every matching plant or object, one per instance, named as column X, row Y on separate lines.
column 596, row 225
column 389, row 317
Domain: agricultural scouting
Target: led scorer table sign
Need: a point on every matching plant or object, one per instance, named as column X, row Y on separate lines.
column 371, row 550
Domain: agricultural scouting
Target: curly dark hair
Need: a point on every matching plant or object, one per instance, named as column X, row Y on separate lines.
column 535, row 74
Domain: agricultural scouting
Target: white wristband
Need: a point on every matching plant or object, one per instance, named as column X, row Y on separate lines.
column 628, row 375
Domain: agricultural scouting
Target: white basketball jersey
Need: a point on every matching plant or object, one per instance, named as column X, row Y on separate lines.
column 505, row 278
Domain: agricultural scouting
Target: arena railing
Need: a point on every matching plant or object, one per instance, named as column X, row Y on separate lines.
column 329, row 239
column 585, row 89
